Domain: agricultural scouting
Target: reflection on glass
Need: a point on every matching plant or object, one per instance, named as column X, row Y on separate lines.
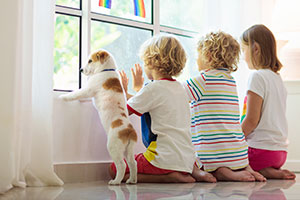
column 69, row 3
column 182, row 14
column 122, row 41
column 66, row 52
column 124, row 9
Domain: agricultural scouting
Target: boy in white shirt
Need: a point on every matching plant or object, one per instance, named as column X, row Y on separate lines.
column 170, row 155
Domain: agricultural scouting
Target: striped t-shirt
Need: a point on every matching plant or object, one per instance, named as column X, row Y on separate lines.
column 216, row 130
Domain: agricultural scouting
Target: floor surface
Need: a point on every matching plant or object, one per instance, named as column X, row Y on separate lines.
column 270, row 190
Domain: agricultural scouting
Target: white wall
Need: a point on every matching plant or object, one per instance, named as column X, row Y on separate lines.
column 293, row 111
column 78, row 133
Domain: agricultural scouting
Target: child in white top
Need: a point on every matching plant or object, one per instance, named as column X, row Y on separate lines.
column 265, row 124
column 170, row 154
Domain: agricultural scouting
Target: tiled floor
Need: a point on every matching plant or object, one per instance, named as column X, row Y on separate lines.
column 271, row 190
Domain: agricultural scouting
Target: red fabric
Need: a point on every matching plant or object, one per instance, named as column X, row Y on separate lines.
column 144, row 167
column 133, row 111
column 261, row 158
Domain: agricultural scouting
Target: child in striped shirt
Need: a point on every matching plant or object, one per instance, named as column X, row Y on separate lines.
column 216, row 132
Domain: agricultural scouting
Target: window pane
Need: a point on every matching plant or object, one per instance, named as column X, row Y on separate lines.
column 125, row 9
column 182, row 14
column 66, row 52
column 191, row 67
column 122, row 41
column 69, row 3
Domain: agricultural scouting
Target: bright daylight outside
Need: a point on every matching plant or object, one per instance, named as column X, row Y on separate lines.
column 121, row 39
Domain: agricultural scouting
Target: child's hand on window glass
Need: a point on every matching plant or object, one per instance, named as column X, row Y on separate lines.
column 137, row 77
column 124, row 80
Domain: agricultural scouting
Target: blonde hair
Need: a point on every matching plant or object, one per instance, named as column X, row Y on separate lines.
column 219, row 50
column 261, row 35
column 165, row 54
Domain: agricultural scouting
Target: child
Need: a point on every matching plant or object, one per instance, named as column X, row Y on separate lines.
column 170, row 154
column 265, row 124
column 216, row 132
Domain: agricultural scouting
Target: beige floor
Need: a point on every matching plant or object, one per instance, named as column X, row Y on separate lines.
column 271, row 190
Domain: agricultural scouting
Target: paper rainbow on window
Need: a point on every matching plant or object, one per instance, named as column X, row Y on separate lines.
column 105, row 3
column 139, row 8
column 244, row 109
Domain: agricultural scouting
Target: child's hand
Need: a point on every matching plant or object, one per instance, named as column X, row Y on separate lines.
column 137, row 77
column 124, row 80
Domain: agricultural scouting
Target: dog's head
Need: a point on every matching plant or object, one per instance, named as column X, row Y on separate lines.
column 98, row 61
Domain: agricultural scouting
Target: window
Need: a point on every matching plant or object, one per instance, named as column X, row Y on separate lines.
column 120, row 26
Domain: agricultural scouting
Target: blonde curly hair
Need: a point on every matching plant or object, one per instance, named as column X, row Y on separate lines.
column 163, row 53
column 219, row 50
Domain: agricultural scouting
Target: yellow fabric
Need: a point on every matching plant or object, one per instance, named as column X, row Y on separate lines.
column 151, row 151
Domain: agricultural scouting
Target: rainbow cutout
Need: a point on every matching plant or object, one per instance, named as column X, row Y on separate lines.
column 139, row 8
column 105, row 3
column 244, row 109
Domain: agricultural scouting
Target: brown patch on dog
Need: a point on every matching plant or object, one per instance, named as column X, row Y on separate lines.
column 116, row 123
column 119, row 103
column 128, row 134
column 101, row 56
column 113, row 84
column 121, row 108
column 123, row 115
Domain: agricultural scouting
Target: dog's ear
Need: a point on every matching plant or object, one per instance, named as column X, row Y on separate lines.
column 102, row 56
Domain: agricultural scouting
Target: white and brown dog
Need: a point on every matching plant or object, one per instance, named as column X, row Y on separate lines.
column 105, row 88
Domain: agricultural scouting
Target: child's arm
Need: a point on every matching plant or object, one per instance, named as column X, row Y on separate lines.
column 254, row 104
column 124, row 80
column 137, row 77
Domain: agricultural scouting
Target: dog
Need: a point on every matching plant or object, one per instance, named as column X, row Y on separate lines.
column 105, row 88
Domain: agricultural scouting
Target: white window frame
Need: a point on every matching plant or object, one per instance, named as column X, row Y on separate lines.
column 86, row 16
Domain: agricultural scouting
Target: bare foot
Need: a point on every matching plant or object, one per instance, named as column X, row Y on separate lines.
column 202, row 176
column 177, row 177
column 257, row 176
column 272, row 173
column 226, row 174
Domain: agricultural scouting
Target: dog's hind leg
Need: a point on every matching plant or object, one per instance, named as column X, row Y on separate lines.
column 131, row 162
column 121, row 167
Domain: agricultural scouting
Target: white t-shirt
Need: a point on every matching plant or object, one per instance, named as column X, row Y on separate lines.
column 272, row 129
column 168, row 106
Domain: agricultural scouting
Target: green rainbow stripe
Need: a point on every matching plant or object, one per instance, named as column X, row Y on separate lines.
column 105, row 3
column 244, row 109
column 139, row 8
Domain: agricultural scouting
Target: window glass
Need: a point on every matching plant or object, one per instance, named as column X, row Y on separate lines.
column 125, row 9
column 182, row 14
column 122, row 41
column 66, row 52
column 69, row 3
column 191, row 68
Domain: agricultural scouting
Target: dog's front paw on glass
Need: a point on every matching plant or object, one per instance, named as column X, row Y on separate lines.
column 114, row 182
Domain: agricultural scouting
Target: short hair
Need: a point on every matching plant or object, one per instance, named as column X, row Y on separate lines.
column 219, row 50
column 165, row 54
column 261, row 35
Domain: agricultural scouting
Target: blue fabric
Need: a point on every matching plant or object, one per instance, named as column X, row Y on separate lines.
column 147, row 135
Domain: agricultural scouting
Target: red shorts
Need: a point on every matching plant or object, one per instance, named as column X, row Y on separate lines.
column 261, row 158
column 144, row 167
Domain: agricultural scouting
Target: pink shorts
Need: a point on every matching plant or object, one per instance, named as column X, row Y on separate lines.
column 261, row 158
column 144, row 167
